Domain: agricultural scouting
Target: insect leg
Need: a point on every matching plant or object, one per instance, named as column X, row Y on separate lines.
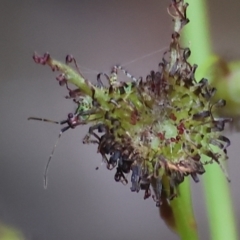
column 100, row 127
column 126, row 73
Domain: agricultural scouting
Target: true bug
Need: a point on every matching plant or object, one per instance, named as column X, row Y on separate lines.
column 87, row 108
column 73, row 120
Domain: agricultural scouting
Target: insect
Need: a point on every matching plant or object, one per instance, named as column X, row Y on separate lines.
column 87, row 111
column 73, row 120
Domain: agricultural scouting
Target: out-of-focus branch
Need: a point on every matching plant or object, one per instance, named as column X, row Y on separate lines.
column 217, row 194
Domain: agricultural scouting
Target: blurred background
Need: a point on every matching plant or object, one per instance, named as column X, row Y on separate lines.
column 80, row 202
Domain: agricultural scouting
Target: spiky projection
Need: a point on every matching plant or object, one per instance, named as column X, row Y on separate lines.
column 157, row 128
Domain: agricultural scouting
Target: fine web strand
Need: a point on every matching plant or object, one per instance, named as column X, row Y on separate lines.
column 87, row 70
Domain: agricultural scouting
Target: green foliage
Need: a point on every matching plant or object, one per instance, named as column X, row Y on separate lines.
column 9, row 233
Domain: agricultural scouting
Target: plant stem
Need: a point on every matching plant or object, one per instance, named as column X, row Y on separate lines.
column 197, row 34
column 217, row 194
column 183, row 213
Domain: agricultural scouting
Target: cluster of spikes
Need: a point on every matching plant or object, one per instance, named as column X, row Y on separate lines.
column 158, row 130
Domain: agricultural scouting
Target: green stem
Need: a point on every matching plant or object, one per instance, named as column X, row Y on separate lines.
column 217, row 194
column 183, row 213
column 197, row 34
column 219, row 205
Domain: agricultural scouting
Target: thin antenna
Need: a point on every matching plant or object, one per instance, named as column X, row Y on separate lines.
column 43, row 120
column 59, row 136
column 51, row 155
